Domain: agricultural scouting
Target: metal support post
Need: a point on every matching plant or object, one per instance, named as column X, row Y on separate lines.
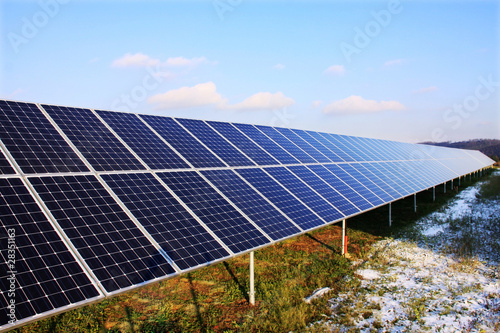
column 415, row 202
column 444, row 187
column 451, row 187
column 459, row 180
column 390, row 213
column 251, row 294
column 343, row 237
column 434, row 193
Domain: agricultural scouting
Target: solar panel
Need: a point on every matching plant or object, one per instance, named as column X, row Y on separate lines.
column 266, row 216
column 178, row 233
column 114, row 248
column 144, row 142
column 324, row 189
column 308, row 196
column 304, row 145
column 33, row 142
column 247, row 146
column 102, row 202
column 217, row 213
column 289, row 146
column 341, row 186
column 37, row 270
column 318, row 145
column 215, row 142
column 281, row 198
column 267, row 144
column 91, row 137
column 190, row 148
column 5, row 167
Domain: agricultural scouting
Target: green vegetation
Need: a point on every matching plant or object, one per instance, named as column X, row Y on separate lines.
column 215, row 299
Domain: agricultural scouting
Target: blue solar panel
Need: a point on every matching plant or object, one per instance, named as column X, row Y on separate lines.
column 381, row 188
column 5, row 168
column 338, row 184
column 93, row 139
column 345, row 143
column 320, row 146
column 324, row 139
column 257, row 154
column 304, row 145
column 268, row 218
column 185, row 144
column 347, row 154
column 385, row 175
column 361, row 188
column 281, row 198
column 114, row 248
column 289, row 146
column 35, row 259
column 267, row 144
column 359, row 147
column 400, row 178
column 33, row 142
column 405, row 168
column 178, row 233
column 215, row 211
column 325, row 190
column 312, row 200
column 215, row 142
column 144, row 142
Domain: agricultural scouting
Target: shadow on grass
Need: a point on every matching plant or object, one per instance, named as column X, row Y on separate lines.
column 241, row 287
column 196, row 303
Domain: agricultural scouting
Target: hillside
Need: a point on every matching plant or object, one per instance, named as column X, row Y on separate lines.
column 489, row 147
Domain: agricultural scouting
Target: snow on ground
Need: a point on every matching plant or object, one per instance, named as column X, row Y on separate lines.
column 415, row 286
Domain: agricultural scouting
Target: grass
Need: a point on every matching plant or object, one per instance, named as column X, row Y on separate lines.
column 215, row 299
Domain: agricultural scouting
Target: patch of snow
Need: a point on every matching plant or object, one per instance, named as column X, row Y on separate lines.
column 368, row 274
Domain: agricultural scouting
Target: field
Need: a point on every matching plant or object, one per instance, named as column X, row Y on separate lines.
column 215, row 299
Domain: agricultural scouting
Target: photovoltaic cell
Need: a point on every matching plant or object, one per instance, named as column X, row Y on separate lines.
column 357, row 147
column 34, row 259
column 289, row 146
column 33, row 142
column 323, row 139
column 310, row 198
column 215, row 211
column 268, row 218
column 267, row 144
column 347, row 153
column 144, row 142
column 341, row 186
column 96, row 143
column 215, row 142
column 183, row 142
column 386, row 176
column 383, row 190
column 304, row 145
column 325, row 190
column 178, row 233
column 306, row 136
column 110, row 243
column 356, row 185
column 5, row 168
column 231, row 133
column 281, row 198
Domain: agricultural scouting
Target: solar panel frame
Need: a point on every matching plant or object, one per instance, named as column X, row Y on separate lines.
column 303, row 144
column 306, row 136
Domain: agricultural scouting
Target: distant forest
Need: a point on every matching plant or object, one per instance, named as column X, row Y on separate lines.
column 489, row 147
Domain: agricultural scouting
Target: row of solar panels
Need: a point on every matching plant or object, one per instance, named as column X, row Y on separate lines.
column 99, row 202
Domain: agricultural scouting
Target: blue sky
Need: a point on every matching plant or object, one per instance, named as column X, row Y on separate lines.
column 408, row 71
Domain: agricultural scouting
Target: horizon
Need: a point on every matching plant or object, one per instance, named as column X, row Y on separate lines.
column 397, row 70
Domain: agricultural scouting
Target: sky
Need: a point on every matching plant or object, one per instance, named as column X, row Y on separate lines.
column 409, row 71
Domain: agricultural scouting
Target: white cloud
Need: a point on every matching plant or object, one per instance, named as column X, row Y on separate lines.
column 394, row 62
column 279, row 67
column 184, row 62
column 263, row 101
column 317, row 104
column 205, row 94
column 356, row 105
column 202, row 94
column 335, row 70
column 425, row 90
column 143, row 60
column 135, row 60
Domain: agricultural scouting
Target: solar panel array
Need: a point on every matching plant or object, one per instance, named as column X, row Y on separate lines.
column 94, row 203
